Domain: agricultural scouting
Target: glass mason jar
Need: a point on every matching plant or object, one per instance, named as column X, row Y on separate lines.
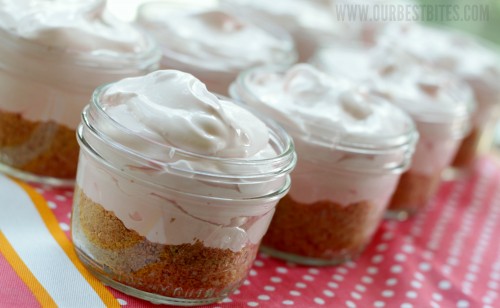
column 44, row 90
column 220, row 44
column 341, row 185
column 158, row 228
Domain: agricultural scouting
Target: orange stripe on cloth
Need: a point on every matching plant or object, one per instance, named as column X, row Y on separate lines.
column 42, row 296
column 53, row 226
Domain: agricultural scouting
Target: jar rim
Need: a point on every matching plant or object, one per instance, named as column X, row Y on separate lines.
column 248, row 169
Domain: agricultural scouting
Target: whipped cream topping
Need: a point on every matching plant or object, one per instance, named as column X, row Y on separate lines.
column 214, row 39
column 174, row 108
column 465, row 56
column 335, row 126
column 72, row 26
column 169, row 137
column 311, row 102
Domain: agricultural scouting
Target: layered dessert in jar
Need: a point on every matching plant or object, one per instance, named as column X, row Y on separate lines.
column 53, row 54
column 213, row 43
column 175, row 188
column 317, row 23
column 471, row 60
column 439, row 103
column 351, row 147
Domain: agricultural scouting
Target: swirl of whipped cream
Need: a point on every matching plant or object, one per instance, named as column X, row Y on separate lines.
column 174, row 108
column 215, row 39
column 315, row 104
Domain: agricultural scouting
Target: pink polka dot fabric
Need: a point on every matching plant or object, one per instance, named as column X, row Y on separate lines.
column 447, row 256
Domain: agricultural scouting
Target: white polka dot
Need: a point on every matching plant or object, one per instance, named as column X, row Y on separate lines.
column 264, row 297
column 377, row 258
column 64, row 226
column 387, row 236
column 387, row 293
column 408, row 248
column 400, row 257
column 338, row 277
column 350, row 264
column 301, row 285
column 313, row 271
column 319, row 301
column 411, row 294
column 444, row 285
column 287, row 302
column 382, row 247
column 328, row 293
column 52, row 204
column 282, row 270
column 276, row 279
column 406, row 305
column 252, row 272
column 295, row 293
column 446, row 270
column 372, row 270
column 493, row 285
column 471, row 276
column 308, row 278
column 342, row 270
column 367, row 279
column 436, row 305
column 253, row 304
column 437, row 297
column 263, row 255
column 258, row 263
column 462, row 304
column 332, row 284
column 428, row 255
column 356, row 295
column 236, row 292
column 452, row 261
column 379, row 304
column 350, row 304
column 122, row 302
column 487, row 300
column 360, row 288
column 60, row 198
column 419, row 276
column 246, row 282
column 227, row 300
column 493, row 275
column 424, row 266
column 391, row 282
column 396, row 269
column 269, row 288
column 416, row 284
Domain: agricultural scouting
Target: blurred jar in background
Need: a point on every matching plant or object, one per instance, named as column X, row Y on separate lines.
column 213, row 43
column 53, row 54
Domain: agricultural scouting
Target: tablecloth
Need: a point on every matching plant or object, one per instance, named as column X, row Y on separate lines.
column 447, row 256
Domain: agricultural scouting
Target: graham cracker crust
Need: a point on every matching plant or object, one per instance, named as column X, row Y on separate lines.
column 41, row 148
column 414, row 191
column 187, row 271
column 322, row 230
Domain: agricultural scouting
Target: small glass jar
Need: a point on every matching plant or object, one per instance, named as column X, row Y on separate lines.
column 342, row 183
column 44, row 89
column 158, row 228
column 470, row 59
column 220, row 43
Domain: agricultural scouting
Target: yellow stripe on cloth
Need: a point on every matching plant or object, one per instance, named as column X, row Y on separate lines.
column 24, row 273
column 53, row 226
column 34, row 234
